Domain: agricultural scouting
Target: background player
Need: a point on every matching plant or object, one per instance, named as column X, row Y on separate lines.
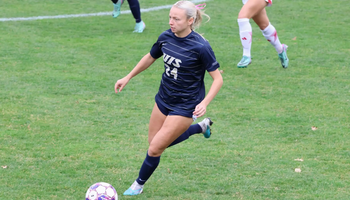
column 135, row 10
column 256, row 9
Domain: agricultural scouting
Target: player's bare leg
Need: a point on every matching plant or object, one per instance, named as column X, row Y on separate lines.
column 251, row 8
column 172, row 127
column 155, row 123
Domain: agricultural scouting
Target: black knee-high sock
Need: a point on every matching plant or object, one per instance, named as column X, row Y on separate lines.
column 147, row 168
column 135, row 9
column 193, row 129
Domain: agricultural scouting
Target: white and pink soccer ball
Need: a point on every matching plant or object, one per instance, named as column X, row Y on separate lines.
column 101, row 191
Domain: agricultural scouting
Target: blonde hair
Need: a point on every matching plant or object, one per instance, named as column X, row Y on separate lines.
column 192, row 12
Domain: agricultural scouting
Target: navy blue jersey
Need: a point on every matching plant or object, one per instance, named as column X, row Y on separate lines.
column 185, row 62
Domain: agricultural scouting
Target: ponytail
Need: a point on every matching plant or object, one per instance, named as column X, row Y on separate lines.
column 193, row 11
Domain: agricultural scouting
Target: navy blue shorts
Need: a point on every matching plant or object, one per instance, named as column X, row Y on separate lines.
column 168, row 111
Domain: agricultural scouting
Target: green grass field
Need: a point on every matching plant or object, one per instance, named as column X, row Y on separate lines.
column 62, row 127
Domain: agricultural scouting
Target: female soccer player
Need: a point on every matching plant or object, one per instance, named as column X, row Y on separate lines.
column 256, row 9
column 135, row 10
column 181, row 96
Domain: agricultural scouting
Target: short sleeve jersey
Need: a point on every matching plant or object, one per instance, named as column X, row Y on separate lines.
column 185, row 62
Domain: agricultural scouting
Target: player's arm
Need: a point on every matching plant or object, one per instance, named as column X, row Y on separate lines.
column 215, row 86
column 201, row 108
column 143, row 64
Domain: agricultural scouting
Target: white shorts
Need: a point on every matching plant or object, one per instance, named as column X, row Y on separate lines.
column 269, row 2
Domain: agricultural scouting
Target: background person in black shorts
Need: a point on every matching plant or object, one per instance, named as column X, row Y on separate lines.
column 135, row 10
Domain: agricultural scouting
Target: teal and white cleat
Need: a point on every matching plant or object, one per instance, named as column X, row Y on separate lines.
column 245, row 61
column 116, row 11
column 283, row 56
column 139, row 27
column 134, row 189
column 205, row 124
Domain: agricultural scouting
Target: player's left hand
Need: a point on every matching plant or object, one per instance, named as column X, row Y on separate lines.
column 200, row 110
column 120, row 84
